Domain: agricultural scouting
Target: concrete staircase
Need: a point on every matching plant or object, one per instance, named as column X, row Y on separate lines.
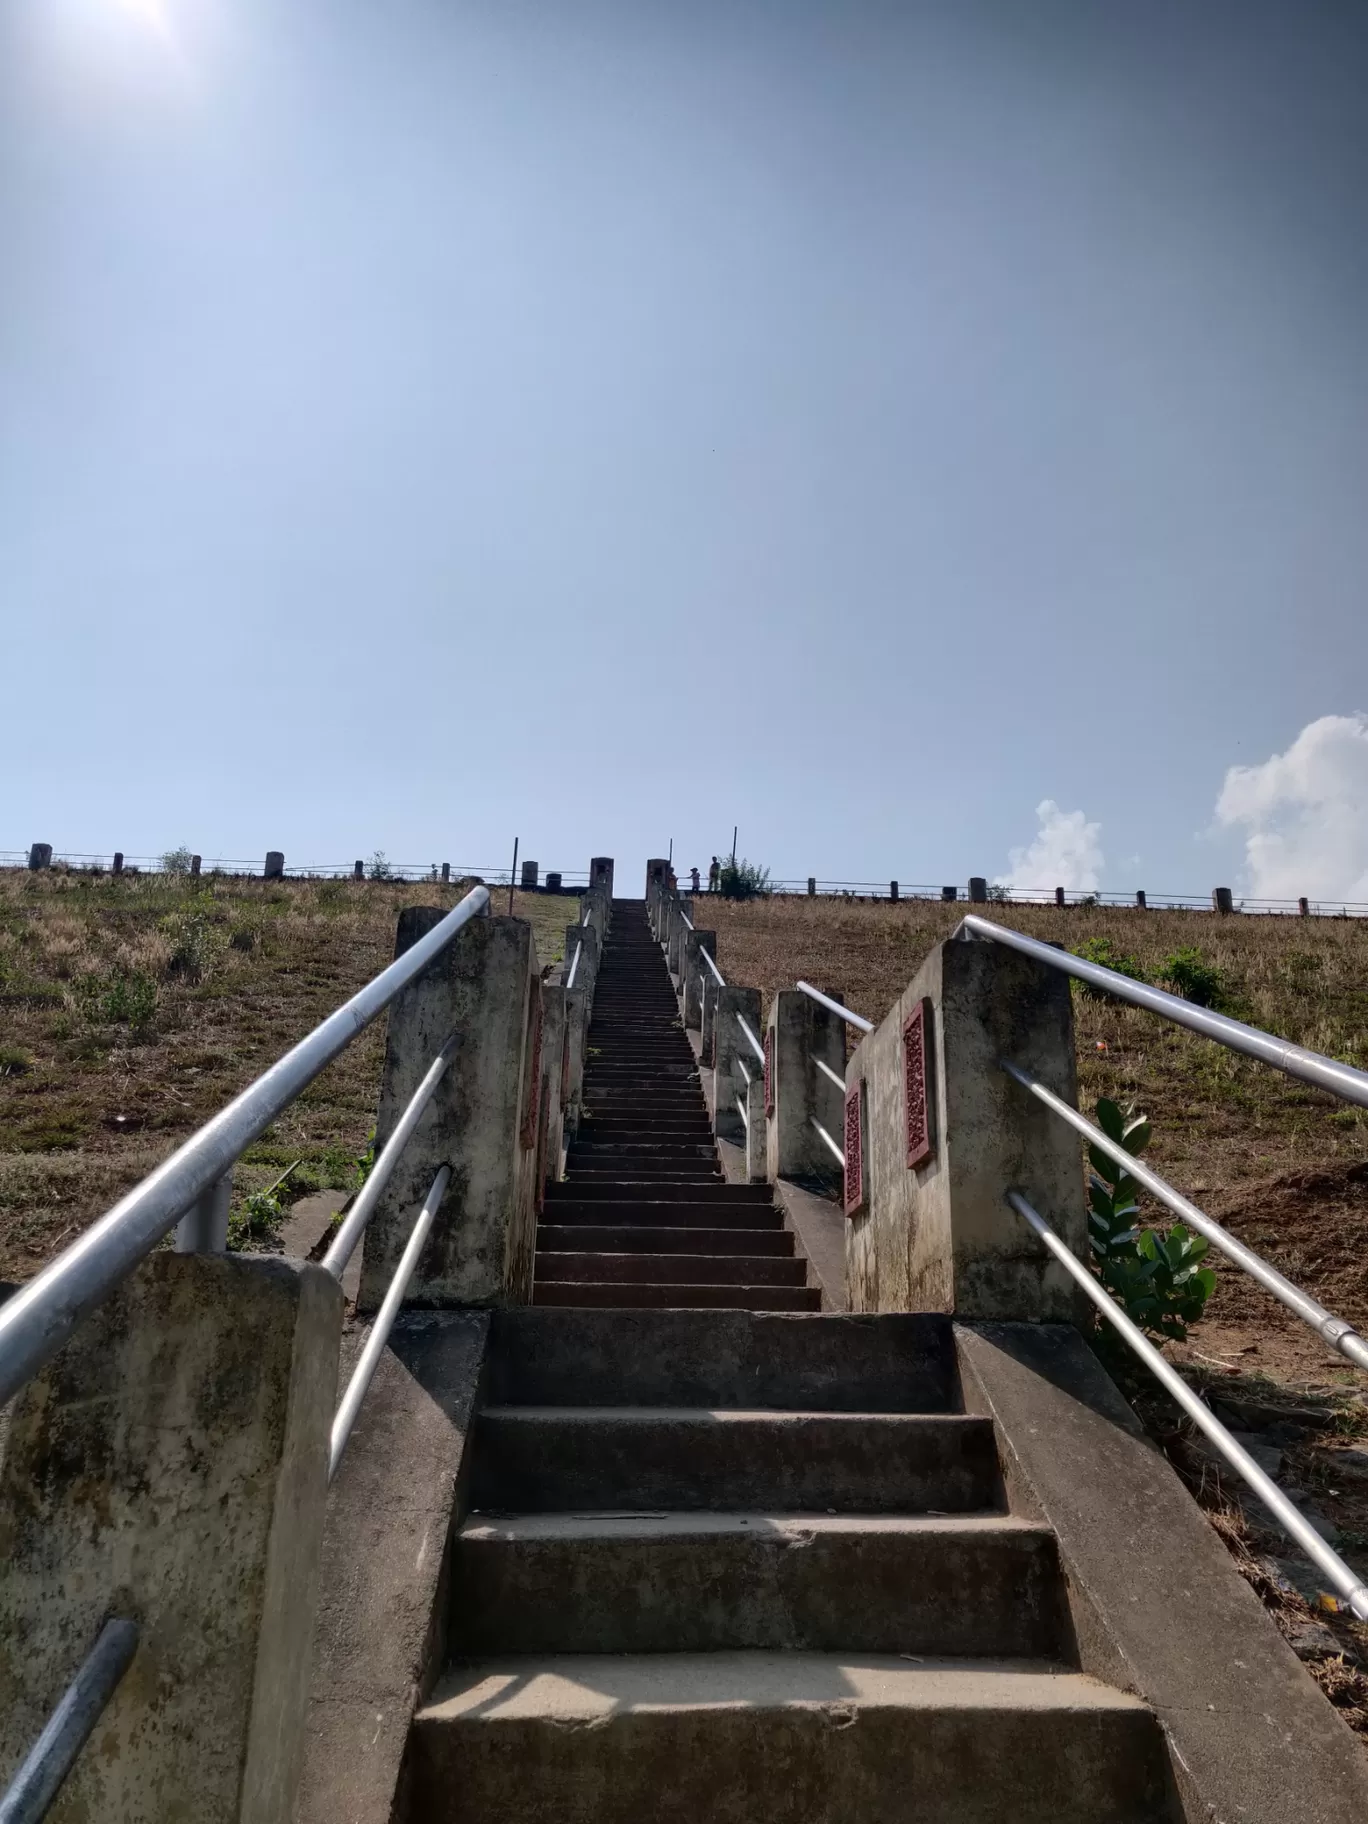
column 731, row 1566
column 643, row 1217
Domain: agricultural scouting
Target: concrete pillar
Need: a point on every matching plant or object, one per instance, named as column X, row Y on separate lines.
column 170, row 1466
column 679, row 931
column 553, row 881
column 893, row 890
column 812, row 886
column 595, row 904
column 1304, row 907
column 947, row 1133
column 1059, row 896
column 482, row 986
column 554, row 1083
column 731, row 1044
column 586, row 974
column 446, row 873
column 358, row 870
column 528, row 879
column 601, row 873
column 196, row 861
column 978, row 890
column 755, row 1129
column 657, row 873
column 799, row 1033
column 118, row 861
column 275, row 865
column 577, row 1004
column 949, row 894
column 1222, row 900
column 695, row 943
column 1140, row 899
column 707, row 1016
column 40, row 856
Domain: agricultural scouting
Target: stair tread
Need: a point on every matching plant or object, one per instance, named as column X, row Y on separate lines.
column 587, row 1687
column 674, row 1523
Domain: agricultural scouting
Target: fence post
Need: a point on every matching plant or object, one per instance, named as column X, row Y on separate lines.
column 893, row 891
column 40, row 856
column 949, row 894
column 800, row 1032
column 170, row 1466
column 481, row 1122
column 275, row 865
column 730, row 1044
column 1304, row 907
column 978, row 890
column 812, row 886
column 1059, row 896
column 695, row 969
column 1140, row 900
column 946, row 1133
column 1222, row 900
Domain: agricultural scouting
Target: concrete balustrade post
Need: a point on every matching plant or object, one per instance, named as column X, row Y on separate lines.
column 707, row 1015
column 657, row 873
column 595, row 910
column 755, row 1128
column 695, row 969
column 945, row 1133
column 731, row 1044
column 551, row 1126
column 577, row 1004
column 799, row 1034
column 586, row 971
column 679, row 930
column 601, row 873
column 482, row 1120
column 170, row 1466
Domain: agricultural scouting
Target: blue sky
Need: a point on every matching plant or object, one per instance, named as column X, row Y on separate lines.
column 868, row 424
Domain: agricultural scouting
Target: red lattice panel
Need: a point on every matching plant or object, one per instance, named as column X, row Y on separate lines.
column 769, row 1074
column 854, row 1153
column 916, row 1089
column 532, row 1105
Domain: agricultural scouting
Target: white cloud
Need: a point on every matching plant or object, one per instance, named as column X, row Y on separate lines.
column 1305, row 814
column 1067, row 852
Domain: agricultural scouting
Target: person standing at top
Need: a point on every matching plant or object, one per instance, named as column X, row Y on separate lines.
column 714, row 875
column 693, row 878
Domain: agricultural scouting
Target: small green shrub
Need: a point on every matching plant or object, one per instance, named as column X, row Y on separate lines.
column 378, row 868
column 1156, row 1279
column 121, row 998
column 744, row 880
column 1103, row 951
column 1187, row 972
column 177, row 861
column 195, row 943
column 14, row 1061
column 257, row 1219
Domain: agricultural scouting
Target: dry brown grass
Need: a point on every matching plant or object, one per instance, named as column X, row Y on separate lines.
column 1285, row 1166
column 240, row 970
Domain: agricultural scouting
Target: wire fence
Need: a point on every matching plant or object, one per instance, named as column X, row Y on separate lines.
column 239, row 868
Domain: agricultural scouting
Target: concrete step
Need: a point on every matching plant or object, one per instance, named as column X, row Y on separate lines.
column 601, row 1295
column 620, row 1213
column 531, row 1459
column 654, row 1239
column 787, row 1738
column 706, row 1583
column 627, row 1192
column 660, row 1269
column 835, row 1363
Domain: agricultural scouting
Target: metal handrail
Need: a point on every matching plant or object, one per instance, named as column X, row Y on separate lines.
column 1350, row 1587
column 363, row 1373
column 721, row 979
column 827, row 1071
column 688, row 922
column 36, row 1783
column 1307, row 1066
column 745, row 1118
column 825, row 1000
column 574, row 965
column 1334, row 1330
column 740, row 1064
column 835, row 1150
column 351, row 1230
column 755, row 1044
column 37, row 1320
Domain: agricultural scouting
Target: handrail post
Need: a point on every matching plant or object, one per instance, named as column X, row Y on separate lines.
column 169, row 1466
column 482, row 1121
column 801, row 1036
column 730, row 1045
column 554, row 1083
column 680, row 909
column 707, row 1017
column 204, row 1227
column 694, row 969
column 944, row 1130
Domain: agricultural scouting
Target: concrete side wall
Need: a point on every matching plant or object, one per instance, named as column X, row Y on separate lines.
column 731, row 1044
column 392, row 1511
column 170, row 1466
column 1156, row 1604
column 482, row 1244
column 938, row 1236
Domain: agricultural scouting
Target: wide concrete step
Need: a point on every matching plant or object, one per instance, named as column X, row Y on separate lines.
column 782, row 1738
column 531, row 1459
column 655, row 1239
column 615, row 1295
column 642, row 1169
column 692, row 1269
column 704, row 1583
column 638, row 1215
column 892, row 1362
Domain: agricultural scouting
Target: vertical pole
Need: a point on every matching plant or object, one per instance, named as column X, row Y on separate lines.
column 512, row 876
column 734, row 829
column 204, row 1227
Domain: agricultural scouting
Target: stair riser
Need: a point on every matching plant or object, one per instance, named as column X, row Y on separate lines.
column 792, row 1462
column 581, row 1295
column 655, row 1238
column 692, row 1269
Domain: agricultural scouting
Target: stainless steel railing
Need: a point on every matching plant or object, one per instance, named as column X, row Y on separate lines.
column 41, row 1315
column 825, row 1000
column 67, row 1730
column 1345, row 1581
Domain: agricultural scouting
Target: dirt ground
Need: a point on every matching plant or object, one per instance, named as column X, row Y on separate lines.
column 131, row 1009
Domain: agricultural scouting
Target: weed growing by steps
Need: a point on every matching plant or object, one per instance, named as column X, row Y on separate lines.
column 744, row 880
column 1156, row 1279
